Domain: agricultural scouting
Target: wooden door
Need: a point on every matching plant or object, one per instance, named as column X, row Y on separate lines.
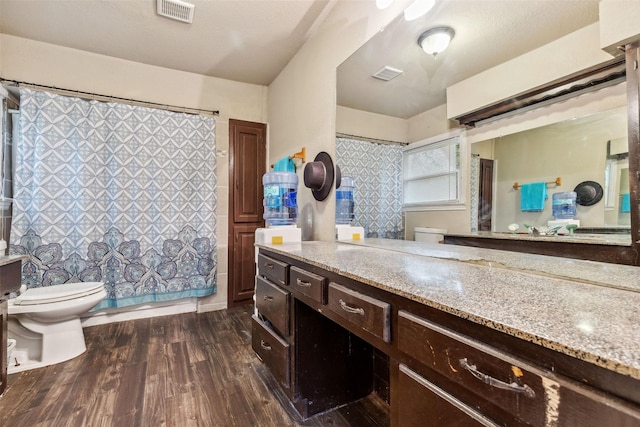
column 247, row 164
column 485, row 199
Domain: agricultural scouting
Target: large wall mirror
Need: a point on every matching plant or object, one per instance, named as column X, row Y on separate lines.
column 591, row 148
column 585, row 147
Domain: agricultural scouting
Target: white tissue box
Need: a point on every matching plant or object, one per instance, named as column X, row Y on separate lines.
column 348, row 232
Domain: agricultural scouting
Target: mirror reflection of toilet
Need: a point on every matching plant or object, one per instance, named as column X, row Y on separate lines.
column 45, row 322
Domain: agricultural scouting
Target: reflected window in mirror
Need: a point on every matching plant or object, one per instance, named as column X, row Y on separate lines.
column 377, row 171
column 433, row 173
column 616, row 182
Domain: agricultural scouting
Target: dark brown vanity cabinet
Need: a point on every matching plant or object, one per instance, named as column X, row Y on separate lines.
column 320, row 332
column 270, row 328
column 318, row 363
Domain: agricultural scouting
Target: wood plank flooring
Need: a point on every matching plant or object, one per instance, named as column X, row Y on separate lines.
column 185, row 370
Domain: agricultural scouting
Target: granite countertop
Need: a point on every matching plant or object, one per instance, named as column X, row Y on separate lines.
column 592, row 239
column 578, row 309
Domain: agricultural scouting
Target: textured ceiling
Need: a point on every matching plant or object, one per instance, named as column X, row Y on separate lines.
column 487, row 33
column 246, row 41
column 252, row 41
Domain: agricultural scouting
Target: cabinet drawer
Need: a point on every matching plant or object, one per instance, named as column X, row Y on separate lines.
column 492, row 375
column 423, row 404
column 362, row 310
column 276, row 271
column 273, row 303
column 309, row 284
column 272, row 349
column 526, row 392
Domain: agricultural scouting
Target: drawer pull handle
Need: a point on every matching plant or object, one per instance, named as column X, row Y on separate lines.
column 268, row 298
column 265, row 345
column 353, row 310
column 268, row 265
column 487, row 379
column 302, row 283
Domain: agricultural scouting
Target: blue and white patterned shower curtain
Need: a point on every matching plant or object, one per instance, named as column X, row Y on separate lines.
column 377, row 169
column 115, row 193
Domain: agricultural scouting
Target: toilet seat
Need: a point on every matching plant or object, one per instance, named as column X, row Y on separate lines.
column 52, row 294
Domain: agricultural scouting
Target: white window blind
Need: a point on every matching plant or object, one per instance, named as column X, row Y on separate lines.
column 432, row 173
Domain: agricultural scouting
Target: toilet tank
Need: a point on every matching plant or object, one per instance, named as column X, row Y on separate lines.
column 429, row 235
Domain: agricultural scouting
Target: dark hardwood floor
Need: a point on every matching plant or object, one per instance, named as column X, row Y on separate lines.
column 184, row 370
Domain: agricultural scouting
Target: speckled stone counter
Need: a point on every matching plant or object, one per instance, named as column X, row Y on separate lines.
column 597, row 273
column 592, row 239
column 509, row 292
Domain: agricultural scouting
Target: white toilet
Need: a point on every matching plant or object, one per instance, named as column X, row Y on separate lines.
column 45, row 322
column 429, row 235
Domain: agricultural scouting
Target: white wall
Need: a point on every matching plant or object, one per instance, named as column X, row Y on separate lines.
column 619, row 23
column 560, row 58
column 302, row 99
column 370, row 125
column 52, row 65
column 430, row 123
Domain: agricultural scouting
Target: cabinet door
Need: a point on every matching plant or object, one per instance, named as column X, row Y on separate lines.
column 242, row 262
column 423, row 404
column 248, row 150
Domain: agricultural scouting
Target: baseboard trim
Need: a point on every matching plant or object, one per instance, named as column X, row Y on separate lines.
column 203, row 308
column 112, row 315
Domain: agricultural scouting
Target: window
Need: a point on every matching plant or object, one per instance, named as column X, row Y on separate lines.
column 432, row 174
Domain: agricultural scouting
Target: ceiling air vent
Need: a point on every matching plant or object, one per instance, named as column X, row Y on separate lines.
column 387, row 73
column 176, row 9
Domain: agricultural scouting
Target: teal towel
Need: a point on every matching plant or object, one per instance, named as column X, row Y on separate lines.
column 284, row 165
column 625, row 205
column 533, row 196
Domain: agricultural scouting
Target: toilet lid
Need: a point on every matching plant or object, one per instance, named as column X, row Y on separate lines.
column 49, row 294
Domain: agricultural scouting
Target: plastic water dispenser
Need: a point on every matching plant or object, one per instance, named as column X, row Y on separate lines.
column 564, row 205
column 280, row 198
column 344, row 201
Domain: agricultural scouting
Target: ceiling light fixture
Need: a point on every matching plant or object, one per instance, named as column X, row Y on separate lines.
column 417, row 9
column 435, row 40
column 383, row 4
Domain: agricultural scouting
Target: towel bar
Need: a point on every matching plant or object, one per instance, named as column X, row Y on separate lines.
column 302, row 155
column 557, row 182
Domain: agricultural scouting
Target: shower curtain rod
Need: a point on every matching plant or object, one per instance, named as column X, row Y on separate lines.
column 97, row 96
column 366, row 138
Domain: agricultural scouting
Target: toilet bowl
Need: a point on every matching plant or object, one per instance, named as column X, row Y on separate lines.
column 45, row 322
column 429, row 235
